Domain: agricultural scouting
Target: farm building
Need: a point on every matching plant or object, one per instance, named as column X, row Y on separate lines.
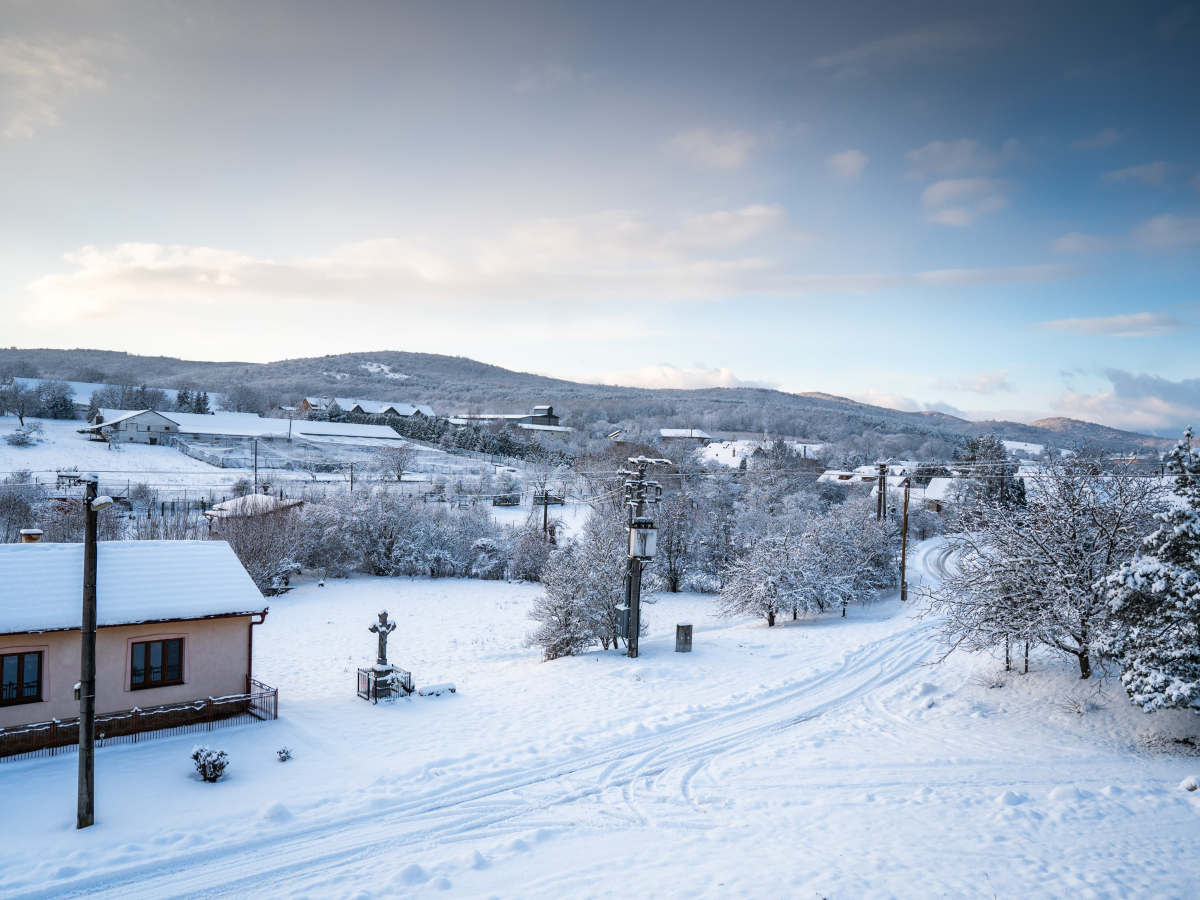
column 149, row 427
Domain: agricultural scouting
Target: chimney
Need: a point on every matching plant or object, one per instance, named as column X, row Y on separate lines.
column 31, row 535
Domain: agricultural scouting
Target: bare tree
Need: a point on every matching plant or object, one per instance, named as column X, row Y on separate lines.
column 396, row 459
column 19, row 400
column 1037, row 573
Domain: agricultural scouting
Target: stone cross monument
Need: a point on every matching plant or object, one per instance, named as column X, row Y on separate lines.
column 383, row 628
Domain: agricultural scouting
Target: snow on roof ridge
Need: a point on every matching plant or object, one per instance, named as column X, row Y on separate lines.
column 137, row 581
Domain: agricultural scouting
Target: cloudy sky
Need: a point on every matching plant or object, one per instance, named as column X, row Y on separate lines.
column 988, row 209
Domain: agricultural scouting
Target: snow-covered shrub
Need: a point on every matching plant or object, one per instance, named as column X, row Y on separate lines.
column 28, row 435
column 284, row 754
column 565, row 627
column 584, row 584
column 267, row 545
column 489, row 559
column 211, row 764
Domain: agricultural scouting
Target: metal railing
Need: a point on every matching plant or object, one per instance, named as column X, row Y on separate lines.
column 259, row 704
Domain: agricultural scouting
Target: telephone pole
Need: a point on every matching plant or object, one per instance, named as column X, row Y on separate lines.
column 643, row 542
column 85, row 813
column 256, row 465
column 904, row 545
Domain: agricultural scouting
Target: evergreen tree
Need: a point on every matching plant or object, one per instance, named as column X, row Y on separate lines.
column 335, row 413
column 987, row 474
column 1155, row 600
column 57, row 400
column 183, row 400
column 200, row 403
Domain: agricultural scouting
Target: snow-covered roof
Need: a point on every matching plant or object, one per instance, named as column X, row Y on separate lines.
column 558, row 428
column 938, row 488
column 250, row 505
column 338, row 429
column 684, row 433
column 231, row 424
column 378, row 407
column 41, row 585
column 113, row 416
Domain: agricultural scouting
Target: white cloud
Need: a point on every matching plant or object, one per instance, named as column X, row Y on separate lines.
column 990, row 382
column 1143, row 324
column 849, row 164
column 886, row 400
column 926, row 44
column 37, row 77
column 675, row 378
column 605, row 257
column 1154, row 173
column 547, row 76
column 1077, row 242
column 707, row 149
column 959, row 201
column 941, row 158
column 1167, row 232
column 1104, row 138
column 1137, row 403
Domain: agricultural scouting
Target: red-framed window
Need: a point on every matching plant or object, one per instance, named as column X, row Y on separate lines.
column 156, row 663
column 20, row 678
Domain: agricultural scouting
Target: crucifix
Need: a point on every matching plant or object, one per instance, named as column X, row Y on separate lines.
column 383, row 628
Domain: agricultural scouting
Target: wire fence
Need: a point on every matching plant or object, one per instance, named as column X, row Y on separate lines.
column 259, row 704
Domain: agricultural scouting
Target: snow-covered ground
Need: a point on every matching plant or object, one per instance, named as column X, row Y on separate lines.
column 815, row 759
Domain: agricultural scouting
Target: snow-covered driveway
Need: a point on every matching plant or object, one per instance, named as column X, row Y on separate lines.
column 812, row 759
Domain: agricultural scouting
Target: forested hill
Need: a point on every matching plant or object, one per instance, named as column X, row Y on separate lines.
column 453, row 384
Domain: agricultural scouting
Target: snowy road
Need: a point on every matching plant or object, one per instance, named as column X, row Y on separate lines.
column 813, row 759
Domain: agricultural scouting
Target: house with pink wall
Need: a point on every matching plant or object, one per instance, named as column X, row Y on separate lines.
column 175, row 624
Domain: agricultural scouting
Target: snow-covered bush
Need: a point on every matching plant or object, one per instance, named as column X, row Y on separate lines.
column 211, row 764
column 284, row 754
column 584, row 584
column 27, row 435
column 1155, row 600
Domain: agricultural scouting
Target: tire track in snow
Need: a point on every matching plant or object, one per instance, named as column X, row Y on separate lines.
column 289, row 862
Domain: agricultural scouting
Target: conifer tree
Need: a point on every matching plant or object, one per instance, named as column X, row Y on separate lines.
column 1155, row 600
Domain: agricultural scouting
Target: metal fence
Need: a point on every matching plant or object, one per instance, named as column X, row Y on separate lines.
column 259, row 704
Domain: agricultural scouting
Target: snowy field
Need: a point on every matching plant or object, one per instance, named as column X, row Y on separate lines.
column 818, row 759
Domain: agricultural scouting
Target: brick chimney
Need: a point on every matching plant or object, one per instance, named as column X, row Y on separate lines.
column 31, row 535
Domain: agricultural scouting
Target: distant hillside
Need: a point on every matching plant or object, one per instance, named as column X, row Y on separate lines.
column 453, row 384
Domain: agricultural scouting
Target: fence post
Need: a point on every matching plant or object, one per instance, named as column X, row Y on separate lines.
column 137, row 723
column 208, row 712
column 53, row 737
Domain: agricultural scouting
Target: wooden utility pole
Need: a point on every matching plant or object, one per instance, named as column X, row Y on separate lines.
column 881, row 498
column 256, row 465
column 352, row 478
column 85, row 813
column 904, row 545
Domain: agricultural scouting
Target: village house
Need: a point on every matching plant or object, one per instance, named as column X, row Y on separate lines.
column 175, row 625
column 685, row 435
column 542, row 420
column 149, row 427
column 365, row 407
